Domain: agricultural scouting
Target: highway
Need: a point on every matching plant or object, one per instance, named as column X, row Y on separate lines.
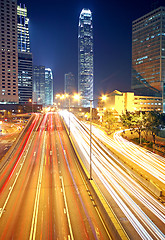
column 141, row 214
column 43, row 193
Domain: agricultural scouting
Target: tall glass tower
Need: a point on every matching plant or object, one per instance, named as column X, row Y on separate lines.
column 85, row 57
column 39, row 84
column 48, row 87
column 148, row 54
column 25, row 69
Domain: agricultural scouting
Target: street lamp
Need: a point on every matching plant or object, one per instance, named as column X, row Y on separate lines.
column 77, row 97
column 30, row 100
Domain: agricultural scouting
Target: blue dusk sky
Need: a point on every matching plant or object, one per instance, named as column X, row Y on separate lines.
column 54, row 39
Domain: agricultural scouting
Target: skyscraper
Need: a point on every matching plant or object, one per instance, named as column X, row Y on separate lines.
column 148, row 54
column 85, row 57
column 25, row 75
column 8, row 52
column 23, row 29
column 48, row 87
column 39, row 84
column 69, row 83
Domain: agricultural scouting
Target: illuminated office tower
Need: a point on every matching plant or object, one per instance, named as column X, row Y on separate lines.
column 25, row 74
column 48, row 87
column 69, row 84
column 85, row 57
column 8, row 52
column 23, row 29
column 39, row 84
column 148, row 55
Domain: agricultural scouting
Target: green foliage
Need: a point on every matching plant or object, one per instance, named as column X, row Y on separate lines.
column 109, row 120
column 147, row 122
column 87, row 115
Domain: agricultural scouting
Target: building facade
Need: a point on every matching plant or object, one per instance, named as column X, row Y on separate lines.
column 85, row 57
column 69, row 83
column 148, row 55
column 120, row 102
column 8, row 52
column 48, row 87
column 25, row 75
column 39, row 84
column 147, row 103
column 25, row 69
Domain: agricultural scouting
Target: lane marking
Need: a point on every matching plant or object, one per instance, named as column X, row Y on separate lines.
column 11, row 187
column 67, row 212
column 37, row 198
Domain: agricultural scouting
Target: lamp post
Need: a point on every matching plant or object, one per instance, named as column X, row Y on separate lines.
column 91, row 139
column 77, row 97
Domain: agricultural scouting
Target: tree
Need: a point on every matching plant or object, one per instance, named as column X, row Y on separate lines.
column 134, row 121
column 138, row 124
column 109, row 120
column 153, row 123
column 147, row 122
column 126, row 119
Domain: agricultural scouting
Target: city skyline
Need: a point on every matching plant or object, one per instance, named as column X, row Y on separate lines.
column 57, row 46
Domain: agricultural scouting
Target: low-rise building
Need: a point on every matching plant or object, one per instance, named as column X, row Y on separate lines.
column 120, row 102
column 146, row 103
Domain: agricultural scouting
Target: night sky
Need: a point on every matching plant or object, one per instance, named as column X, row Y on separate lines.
column 54, row 39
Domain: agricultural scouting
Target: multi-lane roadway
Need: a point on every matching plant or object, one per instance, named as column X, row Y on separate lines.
column 44, row 193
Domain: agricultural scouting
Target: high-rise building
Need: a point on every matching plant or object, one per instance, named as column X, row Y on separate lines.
column 8, row 52
column 25, row 75
column 48, row 86
column 39, row 84
column 23, row 29
column 85, row 57
column 69, row 83
column 148, row 55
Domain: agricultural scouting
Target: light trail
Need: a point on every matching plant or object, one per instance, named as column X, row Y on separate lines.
column 90, row 222
column 15, row 160
column 150, row 162
column 37, row 197
column 24, row 183
column 119, row 184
